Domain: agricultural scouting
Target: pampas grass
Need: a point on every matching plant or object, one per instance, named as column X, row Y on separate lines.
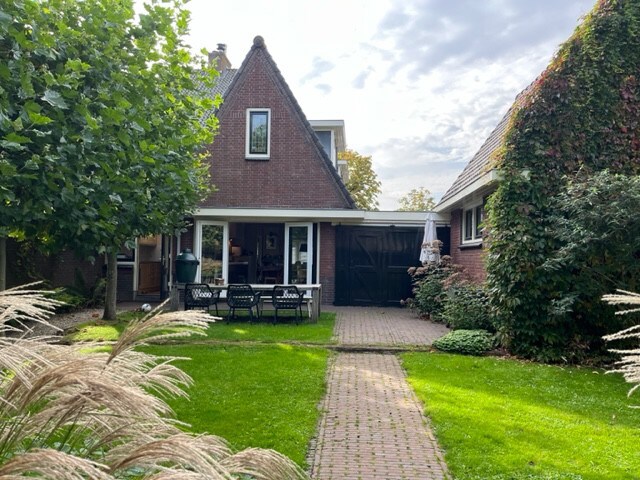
column 76, row 412
column 629, row 365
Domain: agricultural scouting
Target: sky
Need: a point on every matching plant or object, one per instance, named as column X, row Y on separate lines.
column 420, row 84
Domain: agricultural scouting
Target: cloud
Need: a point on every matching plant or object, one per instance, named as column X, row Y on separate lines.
column 428, row 34
column 324, row 88
column 361, row 78
column 318, row 68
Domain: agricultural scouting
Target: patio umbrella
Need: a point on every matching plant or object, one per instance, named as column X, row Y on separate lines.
column 430, row 252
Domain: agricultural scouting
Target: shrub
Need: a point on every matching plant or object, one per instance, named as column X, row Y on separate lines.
column 469, row 342
column 579, row 117
column 429, row 286
column 466, row 307
column 69, row 299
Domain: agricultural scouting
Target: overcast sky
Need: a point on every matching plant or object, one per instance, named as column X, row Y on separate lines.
column 420, row 84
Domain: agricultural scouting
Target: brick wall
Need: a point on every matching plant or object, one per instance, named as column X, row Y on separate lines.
column 471, row 257
column 327, row 262
column 295, row 176
column 60, row 270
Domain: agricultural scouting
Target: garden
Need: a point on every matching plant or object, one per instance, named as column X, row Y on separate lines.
column 259, row 385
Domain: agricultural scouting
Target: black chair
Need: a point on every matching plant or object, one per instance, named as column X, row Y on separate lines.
column 200, row 295
column 242, row 296
column 287, row 298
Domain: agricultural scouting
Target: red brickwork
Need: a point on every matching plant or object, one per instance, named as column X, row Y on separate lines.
column 61, row 270
column 328, row 262
column 470, row 258
column 296, row 174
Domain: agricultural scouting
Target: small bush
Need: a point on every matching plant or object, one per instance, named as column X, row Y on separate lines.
column 72, row 300
column 429, row 286
column 469, row 342
column 466, row 307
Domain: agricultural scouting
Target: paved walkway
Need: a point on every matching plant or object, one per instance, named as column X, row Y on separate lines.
column 373, row 426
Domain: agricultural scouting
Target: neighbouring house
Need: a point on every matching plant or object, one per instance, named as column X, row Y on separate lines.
column 281, row 212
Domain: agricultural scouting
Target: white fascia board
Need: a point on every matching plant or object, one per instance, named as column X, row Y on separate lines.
column 399, row 219
column 279, row 214
column 489, row 177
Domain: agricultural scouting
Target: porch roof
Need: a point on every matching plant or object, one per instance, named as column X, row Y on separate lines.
column 335, row 216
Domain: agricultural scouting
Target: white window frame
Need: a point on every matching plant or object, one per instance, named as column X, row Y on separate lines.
column 332, row 154
column 247, row 152
column 476, row 237
column 310, row 259
column 197, row 247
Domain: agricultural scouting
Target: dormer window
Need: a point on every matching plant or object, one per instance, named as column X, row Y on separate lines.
column 258, row 134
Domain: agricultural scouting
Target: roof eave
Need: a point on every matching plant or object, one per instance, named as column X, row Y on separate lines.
column 483, row 182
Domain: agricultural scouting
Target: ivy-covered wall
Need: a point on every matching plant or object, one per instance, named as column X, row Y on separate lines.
column 579, row 117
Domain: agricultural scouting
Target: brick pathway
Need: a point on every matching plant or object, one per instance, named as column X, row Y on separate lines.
column 373, row 426
column 384, row 326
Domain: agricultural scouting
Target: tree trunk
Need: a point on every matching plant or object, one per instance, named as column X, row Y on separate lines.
column 3, row 263
column 112, row 286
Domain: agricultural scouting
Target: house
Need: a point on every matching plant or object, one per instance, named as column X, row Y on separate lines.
column 281, row 212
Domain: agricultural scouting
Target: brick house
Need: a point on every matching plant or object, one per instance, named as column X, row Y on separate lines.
column 281, row 212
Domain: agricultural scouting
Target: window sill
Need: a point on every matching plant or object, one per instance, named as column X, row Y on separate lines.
column 470, row 245
column 260, row 158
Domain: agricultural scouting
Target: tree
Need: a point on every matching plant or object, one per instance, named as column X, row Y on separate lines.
column 363, row 183
column 417, row 200
column 100, row 123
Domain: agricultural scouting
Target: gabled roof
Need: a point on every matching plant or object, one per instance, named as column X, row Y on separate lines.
column 222, row 84
column 480, row 164
column 259, row 48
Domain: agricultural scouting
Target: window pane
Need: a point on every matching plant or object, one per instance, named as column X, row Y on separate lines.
column 325, row 140
column 468, row 224
column 298, row 255
column 258, row 131
column 212, row 249
column 479, row 219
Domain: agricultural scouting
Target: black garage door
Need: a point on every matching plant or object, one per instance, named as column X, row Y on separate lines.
column 372, row 262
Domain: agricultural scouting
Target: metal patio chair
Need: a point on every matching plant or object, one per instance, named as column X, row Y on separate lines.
column 200, row 295
column 242, row 296
column 287, row 297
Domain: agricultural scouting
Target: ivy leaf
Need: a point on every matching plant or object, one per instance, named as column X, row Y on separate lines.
column 54, row 99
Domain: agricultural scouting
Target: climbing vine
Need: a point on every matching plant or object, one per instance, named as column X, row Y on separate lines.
column 578, row 118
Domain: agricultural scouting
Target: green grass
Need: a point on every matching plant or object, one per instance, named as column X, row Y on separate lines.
column 102, row 330
column 239, row 330
column 505, row 419
column 254, row 396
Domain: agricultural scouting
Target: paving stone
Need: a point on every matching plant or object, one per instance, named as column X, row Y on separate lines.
column 372, row 426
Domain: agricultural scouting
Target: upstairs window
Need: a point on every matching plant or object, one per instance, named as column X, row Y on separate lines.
column 258, row 133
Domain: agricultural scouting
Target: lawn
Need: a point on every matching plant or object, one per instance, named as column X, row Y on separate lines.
column 311, row 333
column 254, row 396
column 262, row 393
column 239, row 330
column 503, row 419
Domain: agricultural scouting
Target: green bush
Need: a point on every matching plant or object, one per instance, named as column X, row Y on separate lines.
column 72, row 300
column 578, row 118
column 429, row 286
column 466, row 307
column 469, row 342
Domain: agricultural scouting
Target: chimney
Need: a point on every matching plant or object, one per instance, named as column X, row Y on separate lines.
column 218, row 58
